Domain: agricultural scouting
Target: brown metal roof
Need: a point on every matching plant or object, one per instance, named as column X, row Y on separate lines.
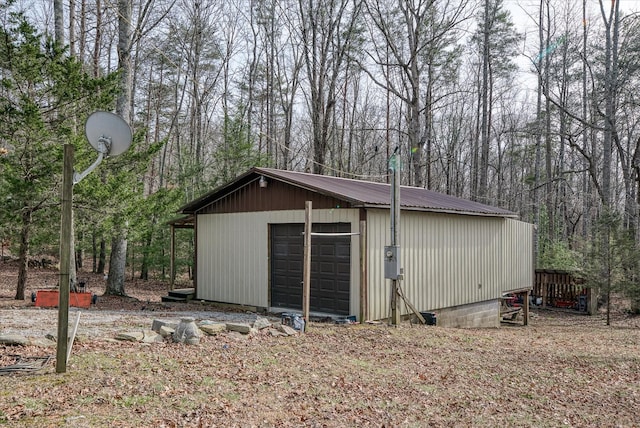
column 357, row 193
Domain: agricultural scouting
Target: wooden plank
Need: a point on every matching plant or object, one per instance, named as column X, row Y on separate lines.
column 306, row 265
column 364, row 300
column 413, row 308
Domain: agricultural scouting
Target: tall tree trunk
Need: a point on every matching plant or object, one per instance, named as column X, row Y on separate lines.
column 102, row 257
column 23, row 256
column 586, row 185
column 98, row 40
column 79, row 254
column 146, row 250
column 118, row 259
column 117, row 264
column 610, row 88
column 58, row 16
column 612, row 22
column 414, row 22
column 82, row 42
column 549, row 155
column 484, row 126
column 94, row 253
column 475, row 150
column 538, row 133
column 72, row 27
column 561, row 198
column 327, row 46
column 270, row 96
column 428, row 124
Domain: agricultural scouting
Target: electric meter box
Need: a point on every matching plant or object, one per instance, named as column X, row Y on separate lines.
column 392, row 262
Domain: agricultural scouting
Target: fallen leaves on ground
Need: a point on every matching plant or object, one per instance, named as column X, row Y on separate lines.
column 561, row 370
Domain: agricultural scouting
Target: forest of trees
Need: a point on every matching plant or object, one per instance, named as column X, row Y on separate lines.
column 543, row 122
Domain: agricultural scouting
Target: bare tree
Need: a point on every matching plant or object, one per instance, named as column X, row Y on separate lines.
column 328, row 33
column 118, row 258
column 497, row 41
column 611, row 20
column 410, row 38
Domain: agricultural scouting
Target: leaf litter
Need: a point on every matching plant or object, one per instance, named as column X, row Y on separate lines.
column 561, row 370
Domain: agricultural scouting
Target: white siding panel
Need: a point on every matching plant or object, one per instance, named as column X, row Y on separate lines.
column 379, row 289
column 519, row 250
column 449, row 260
column 233, row 253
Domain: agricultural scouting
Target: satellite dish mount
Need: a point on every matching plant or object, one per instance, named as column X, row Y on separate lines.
column 109, row 135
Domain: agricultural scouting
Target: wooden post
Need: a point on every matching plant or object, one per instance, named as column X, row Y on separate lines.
column 395, row 238
column 65, row 259
column 172, row 265
column 364, row 300
column 194, row 272
column 395, row 303
column 525, row 306
column 306, row 265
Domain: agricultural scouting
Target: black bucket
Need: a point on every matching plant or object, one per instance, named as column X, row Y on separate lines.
column 429, row 318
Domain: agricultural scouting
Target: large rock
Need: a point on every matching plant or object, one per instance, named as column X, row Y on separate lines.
column 261, row 323
column 13, row 339
column 235, row 335
column 166, row 331
column 42, row 342
column 17, row 340
column 151, row 336
column 145, row 336
column 158, row 324
column 213, row 328
column 287, row 330
column 131, row 336
column 239, row 327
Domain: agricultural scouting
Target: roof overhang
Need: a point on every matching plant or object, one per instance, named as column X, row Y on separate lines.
column 357, row 193
column 184, row 222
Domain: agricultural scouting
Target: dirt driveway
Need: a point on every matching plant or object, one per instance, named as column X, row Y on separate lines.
column 38, row 322
column 108, row 316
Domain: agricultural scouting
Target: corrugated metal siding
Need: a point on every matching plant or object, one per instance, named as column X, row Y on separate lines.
column 233, row 253
column 276, row 196
column 449, row 260
column 518, row 251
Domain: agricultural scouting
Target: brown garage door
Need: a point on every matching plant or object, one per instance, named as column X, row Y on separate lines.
column 330, row 267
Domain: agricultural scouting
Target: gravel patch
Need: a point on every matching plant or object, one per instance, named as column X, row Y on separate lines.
column 37, row 322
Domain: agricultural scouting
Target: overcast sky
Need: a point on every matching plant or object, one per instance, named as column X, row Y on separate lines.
column 525, row 14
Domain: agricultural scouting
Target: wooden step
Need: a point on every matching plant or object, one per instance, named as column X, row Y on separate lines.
column 174, row 299
column 188, row 293
column 180, row 295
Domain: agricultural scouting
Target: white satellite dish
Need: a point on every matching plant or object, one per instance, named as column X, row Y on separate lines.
column 108, row 134
column 104, row 125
